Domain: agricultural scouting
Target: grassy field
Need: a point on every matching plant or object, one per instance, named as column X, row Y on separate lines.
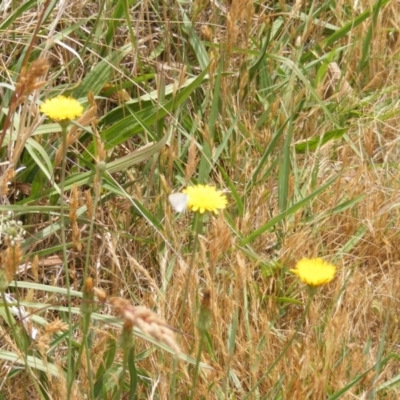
column 289, row 109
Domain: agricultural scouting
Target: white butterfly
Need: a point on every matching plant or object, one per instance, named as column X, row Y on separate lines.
column 178, row 201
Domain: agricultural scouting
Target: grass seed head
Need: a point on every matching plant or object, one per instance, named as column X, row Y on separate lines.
column 192, row 161
column 13, row 257
column 29, row 80
column 146, row 320
column 221, row 239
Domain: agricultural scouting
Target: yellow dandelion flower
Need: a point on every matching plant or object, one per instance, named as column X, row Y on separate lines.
column 314, row 271
column 62, row 108
column 202, row 198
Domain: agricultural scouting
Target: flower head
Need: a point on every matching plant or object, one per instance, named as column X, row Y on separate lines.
column 314, row 271
column 62, row 108
column 204, row 198
column 12, row 232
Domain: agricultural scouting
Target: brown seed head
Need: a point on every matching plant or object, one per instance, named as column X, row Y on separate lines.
column 192, row 161
column 56, row 326
column 34, row 268
column 29, row 80
column 146, row 320
column 101, row 294
column 12, row 259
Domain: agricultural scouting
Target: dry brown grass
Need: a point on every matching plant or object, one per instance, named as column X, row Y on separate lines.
column 255, row 303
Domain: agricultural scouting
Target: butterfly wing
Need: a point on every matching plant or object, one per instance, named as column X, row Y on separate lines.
column 178, row 201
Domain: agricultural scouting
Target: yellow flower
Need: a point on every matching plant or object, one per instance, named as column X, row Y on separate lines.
column 314, row 271
column 62, row 108
column 204, row 198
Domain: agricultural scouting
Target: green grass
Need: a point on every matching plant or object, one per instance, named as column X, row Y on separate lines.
column 291, row 109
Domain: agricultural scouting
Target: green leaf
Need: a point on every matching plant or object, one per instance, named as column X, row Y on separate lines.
column 117, row 165
column 342, row 32
column 291, row 210
column 318, row 141
column 97, row 77
column 138, row 122
column 42, row 160
column 31, row 361
column 24, row 6
column 105, row 366
column 197, row 45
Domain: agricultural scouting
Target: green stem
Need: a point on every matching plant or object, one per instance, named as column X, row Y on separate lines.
column 197, row 228
column 91, row 226
column 86, row 318
column 85, row 346
column 311, row 294
column 89, row 370
column 127, row 345
column 70, row 369
column 120, row 390
column 196, row 367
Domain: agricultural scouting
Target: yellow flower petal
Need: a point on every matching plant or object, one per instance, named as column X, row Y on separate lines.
column 202, row 198
column 314, row 271
column 62, row 108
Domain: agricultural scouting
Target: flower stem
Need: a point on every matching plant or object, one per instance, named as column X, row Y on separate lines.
column 70, row 377
column 197, row 226
column 311, row 294
column 196, row 367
